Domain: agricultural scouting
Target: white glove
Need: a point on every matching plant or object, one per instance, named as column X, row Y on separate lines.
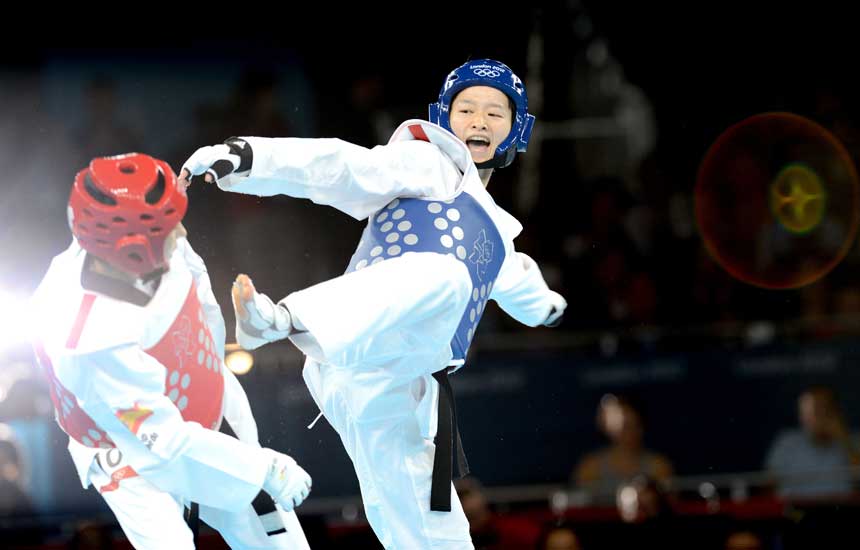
column 213, row 162
column 286, row 482
column 559, row 304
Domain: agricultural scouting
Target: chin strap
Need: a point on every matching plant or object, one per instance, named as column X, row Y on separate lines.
column 498, row 161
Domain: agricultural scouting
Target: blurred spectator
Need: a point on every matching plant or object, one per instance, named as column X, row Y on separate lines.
column 642, row 499
column 815, row 460
column 253, row 109
column 491, row 530
column 13, row 498
column 91, row 536
column 102, row 133
column 601, row 472
column 743, row 540
column 650, row 520
column 558, row 536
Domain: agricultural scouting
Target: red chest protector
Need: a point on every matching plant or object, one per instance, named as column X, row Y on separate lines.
column 193, row 381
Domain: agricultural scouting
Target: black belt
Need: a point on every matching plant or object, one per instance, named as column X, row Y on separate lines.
column 192, row 518
column 447, row 443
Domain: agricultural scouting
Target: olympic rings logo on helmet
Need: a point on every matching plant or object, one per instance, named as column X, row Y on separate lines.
column 486, row 73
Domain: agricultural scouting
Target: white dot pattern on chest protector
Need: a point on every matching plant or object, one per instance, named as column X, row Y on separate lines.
column 94, row 434
column 200, row 336
column 182, row 403
column 174, row 378
column 200, row 355
column 186, row 378
column 459, row 228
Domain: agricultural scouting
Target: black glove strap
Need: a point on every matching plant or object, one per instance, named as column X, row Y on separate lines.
column 221, row 168
column 448, row 445
column 242, row 148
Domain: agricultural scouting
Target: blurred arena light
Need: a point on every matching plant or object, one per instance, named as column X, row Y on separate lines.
column 238, row 360
column 13, row 320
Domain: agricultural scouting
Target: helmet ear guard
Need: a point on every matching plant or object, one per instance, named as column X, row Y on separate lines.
column 122, row 209
column 488, row 72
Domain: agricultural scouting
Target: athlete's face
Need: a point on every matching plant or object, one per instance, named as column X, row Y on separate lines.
column 481, row 117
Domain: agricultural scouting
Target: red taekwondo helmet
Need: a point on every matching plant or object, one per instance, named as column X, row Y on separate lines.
column 123, row 208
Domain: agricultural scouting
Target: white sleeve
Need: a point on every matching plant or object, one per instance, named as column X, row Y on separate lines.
column 122, row 390
column 521, row 291
column 351, row 178
column 211, row 309
column 237, row 410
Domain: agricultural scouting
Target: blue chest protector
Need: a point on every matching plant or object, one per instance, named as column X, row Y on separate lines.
column 460, row 228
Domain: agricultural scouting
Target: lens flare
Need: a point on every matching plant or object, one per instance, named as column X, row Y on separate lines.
column 777, row 201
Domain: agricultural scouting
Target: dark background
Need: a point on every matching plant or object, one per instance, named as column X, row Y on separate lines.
column 166, row 83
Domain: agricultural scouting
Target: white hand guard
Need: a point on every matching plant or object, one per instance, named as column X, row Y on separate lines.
column 559, row 304
column 234, row 155
column 286, row 482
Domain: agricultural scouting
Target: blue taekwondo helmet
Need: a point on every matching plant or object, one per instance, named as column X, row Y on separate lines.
column 488, row 72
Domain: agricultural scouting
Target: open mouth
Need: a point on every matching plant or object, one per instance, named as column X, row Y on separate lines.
column 478, row 144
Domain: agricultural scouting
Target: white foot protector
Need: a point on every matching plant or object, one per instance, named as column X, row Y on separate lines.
column 258, row 320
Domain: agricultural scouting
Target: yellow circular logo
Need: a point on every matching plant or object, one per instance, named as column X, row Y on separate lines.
column 797, row 198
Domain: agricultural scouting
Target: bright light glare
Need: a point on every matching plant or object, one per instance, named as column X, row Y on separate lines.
column 14, row 320
column 239, row 361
